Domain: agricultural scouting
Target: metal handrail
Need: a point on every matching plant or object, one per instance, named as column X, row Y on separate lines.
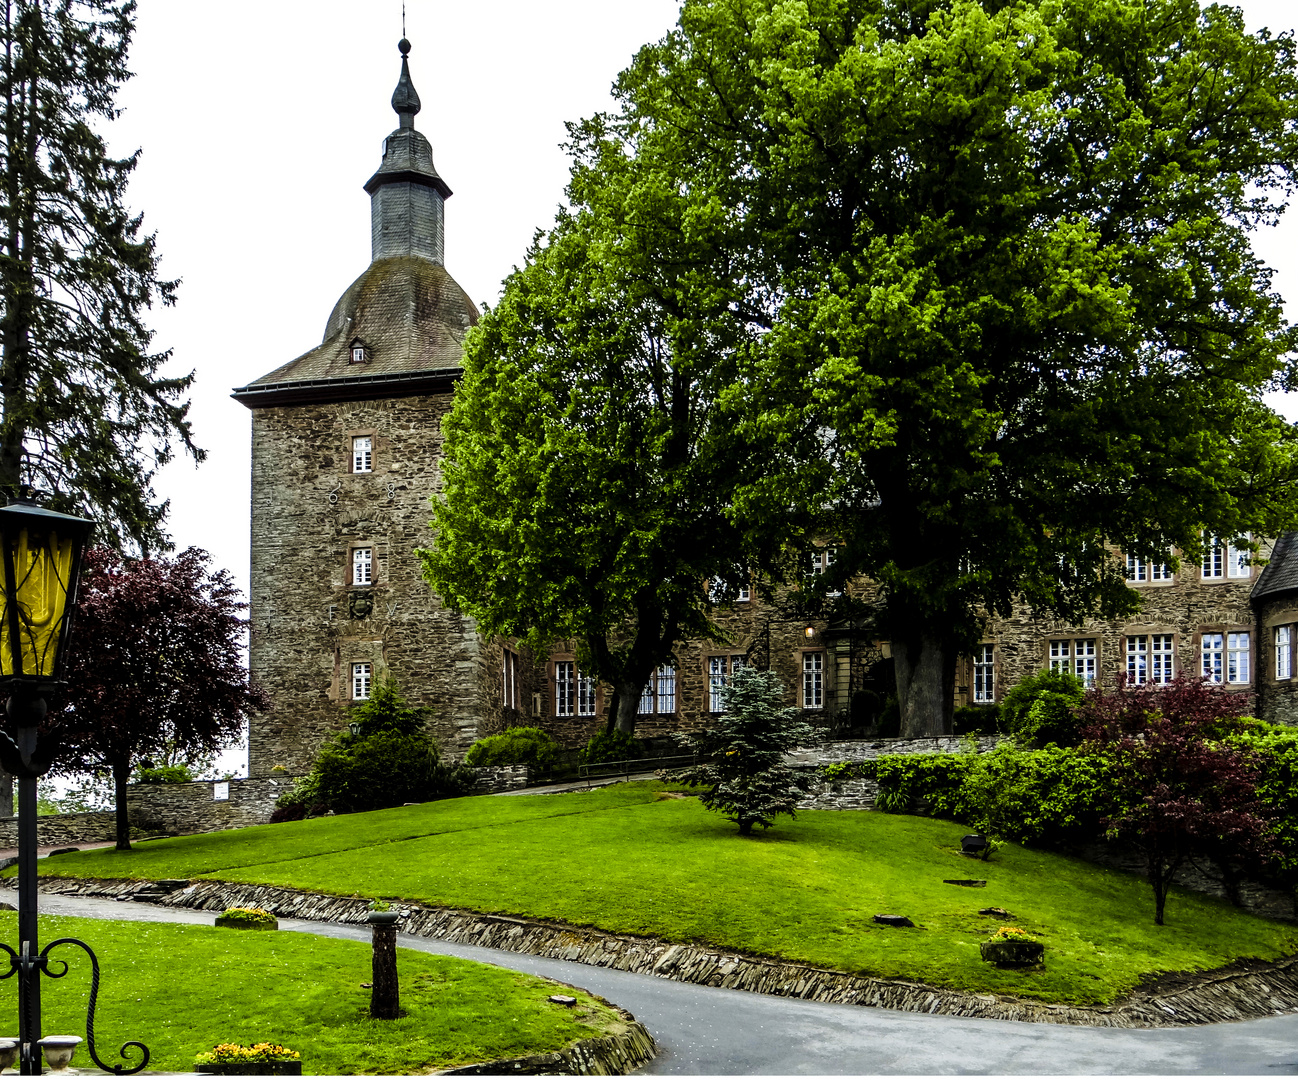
column 600, row 769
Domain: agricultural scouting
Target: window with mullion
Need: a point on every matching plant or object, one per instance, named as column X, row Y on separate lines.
column 1284, row 652
column 984, row 674
column 813, row 680
column 565, row 685
column 1238, row 668
column 1213, row 648
column 1137, row 661
column 362, row 566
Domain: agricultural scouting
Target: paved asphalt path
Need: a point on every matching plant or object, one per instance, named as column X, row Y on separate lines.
column 704, row 1030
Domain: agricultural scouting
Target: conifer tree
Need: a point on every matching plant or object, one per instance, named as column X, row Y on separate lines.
column 85, row 415
column 743, row 753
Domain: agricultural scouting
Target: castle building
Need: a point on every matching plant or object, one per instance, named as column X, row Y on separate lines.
column 346, row 445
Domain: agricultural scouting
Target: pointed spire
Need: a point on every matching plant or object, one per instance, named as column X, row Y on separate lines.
column 405, row 101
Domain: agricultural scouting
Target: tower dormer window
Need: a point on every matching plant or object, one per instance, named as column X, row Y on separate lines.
column 359, row 354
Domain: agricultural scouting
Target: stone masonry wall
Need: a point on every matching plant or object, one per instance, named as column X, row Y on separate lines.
column 309, row 623
column 1277, row 698
column 1187, row 608
column 859, row 793
column 764, row 632
column 163, row 808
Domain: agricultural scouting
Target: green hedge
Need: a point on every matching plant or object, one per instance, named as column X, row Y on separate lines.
column 1052, row 795
column 515, row 746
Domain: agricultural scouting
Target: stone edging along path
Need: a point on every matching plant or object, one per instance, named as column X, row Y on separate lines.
column 1242, row 992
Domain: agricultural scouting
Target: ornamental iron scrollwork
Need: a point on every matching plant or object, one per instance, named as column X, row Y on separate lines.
column 25, row 963
column 333, row 495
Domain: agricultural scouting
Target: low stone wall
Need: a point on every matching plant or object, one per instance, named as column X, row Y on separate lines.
column 57, row 830
column 496, row 778
column 1248, row 990
column 163, row 808
column 199, row 807
column 858, row 793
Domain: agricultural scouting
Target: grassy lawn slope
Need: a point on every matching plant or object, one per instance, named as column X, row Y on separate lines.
column 182, row 989
column 636, row 860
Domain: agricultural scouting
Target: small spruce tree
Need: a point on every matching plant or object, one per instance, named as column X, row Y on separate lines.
column 743, row 765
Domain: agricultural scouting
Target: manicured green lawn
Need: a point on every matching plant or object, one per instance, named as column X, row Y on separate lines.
column 182, row 989
column 632, row 859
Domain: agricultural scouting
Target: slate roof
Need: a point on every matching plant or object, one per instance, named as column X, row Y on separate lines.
column 1281, row 573
column 410, row 315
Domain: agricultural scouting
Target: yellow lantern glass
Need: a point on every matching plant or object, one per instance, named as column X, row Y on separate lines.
column 42, row 555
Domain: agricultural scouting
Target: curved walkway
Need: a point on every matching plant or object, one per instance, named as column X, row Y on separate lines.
column 707, row 1030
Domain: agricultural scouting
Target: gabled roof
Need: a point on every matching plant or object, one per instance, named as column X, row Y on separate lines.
column 1280, row 575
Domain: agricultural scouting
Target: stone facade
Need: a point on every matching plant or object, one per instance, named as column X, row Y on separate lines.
column 310, row 621
column 1187, row 617
column 385, row 374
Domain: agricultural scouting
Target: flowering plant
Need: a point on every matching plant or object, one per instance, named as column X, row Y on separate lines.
column 237, row 1054
column 248, row 914
column 1012, row 933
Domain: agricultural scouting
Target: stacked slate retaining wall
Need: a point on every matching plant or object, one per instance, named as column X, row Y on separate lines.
column 859, row 793
column 1248, row 991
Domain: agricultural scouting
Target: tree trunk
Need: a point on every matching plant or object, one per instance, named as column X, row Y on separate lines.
column 626, row 701
column 385, row 996
column 925, row 684
column 121, row 774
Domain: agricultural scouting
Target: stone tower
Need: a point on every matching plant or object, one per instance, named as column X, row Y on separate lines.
column 346, row 441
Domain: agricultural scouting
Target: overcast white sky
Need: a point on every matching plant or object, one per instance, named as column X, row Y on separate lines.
column 259, row 123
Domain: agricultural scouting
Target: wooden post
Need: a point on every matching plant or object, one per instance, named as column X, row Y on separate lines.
column 385, row 997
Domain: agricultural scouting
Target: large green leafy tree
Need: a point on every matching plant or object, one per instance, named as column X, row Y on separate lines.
column 586, row 479
column 1002, row 250
column 84, row 413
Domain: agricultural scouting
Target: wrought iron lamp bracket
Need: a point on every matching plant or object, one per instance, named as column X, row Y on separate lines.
column 43, row 962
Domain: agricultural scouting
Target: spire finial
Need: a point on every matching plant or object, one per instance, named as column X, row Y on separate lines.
column 404, row 99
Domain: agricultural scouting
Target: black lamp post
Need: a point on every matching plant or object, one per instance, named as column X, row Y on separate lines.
column 40, row 555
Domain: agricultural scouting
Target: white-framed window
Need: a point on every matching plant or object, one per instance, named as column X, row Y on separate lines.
column 1237, row 657
column 1284, row 652
column 984, row 674
column 509, row 679
column 362, row 674
column 813, row 680
column 585, row 694
column 821, row 561
column 1226, row 657
column 1226, row 561
column 1077, row 656
column 1162, row 658
column 1213, row 649
column 659, row 694
column 717, row 592
column 362, row 453
column 1214, row 561
column 358, row 353
column 719, row 670
column 1137, row 661
column 362, row 566
column 1141, row 570
column 565, row 687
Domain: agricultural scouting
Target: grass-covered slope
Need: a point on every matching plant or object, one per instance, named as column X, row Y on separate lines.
column 183, row 989
column 632, row 859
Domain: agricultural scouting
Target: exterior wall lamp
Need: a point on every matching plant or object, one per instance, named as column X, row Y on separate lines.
column 355, row 727
column 809, row 632
column 40, row 555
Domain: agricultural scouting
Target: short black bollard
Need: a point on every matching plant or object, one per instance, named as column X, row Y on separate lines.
column 385, row 996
